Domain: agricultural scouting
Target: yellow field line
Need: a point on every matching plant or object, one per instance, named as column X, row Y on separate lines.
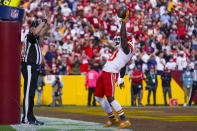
column 168, row 117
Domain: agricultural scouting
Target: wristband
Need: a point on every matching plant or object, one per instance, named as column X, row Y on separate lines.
column 44, row 20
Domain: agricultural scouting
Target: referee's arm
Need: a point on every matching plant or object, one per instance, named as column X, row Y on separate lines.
column 38, row 29
column 42, row 27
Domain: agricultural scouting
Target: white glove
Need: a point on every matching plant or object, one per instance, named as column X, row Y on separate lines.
column 120, row 82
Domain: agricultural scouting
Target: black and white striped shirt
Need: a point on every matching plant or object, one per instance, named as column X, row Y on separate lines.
column 32, row 51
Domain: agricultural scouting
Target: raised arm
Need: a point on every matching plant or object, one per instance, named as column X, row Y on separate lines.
column 38, row 29
column 43, row 26
column 44, row 29
column 47, row 21
column 123, row 35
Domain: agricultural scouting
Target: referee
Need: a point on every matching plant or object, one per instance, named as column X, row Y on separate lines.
column 194, row 85
column 31, row 62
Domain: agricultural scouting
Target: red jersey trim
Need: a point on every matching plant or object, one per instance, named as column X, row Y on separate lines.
column 131, row 47
column 113, row 56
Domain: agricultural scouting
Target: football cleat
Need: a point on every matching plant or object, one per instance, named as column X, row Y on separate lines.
column 124, row 124
column 111, row 122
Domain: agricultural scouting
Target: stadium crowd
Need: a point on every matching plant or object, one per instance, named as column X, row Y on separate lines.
column 82, row 31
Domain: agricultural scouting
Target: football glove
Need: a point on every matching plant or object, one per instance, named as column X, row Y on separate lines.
column 120, row 82
column 127, row 15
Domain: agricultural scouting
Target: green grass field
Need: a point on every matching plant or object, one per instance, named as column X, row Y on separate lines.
column 6, row 128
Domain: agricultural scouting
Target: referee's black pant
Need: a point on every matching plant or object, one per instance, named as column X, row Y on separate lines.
column 30, row 74
column 192, row 92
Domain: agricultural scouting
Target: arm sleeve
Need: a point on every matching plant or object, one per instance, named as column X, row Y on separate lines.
column 122, row 72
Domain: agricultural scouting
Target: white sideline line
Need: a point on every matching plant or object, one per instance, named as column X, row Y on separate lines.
column 64, row 125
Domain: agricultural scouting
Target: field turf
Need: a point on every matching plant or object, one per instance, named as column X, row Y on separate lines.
column 82, row 118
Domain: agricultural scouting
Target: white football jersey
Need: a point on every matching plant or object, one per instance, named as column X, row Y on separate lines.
column 118, row 60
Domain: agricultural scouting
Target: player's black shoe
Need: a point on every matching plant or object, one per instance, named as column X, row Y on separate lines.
column 23, row 122
column 36, row 122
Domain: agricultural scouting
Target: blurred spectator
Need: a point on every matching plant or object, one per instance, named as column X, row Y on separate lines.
column 181, row 61
column 63, row 66
column 136, row 78
column 87, row 47
column 173, row 36
column 112, row 29
column 84, row 64
column 40, row 84
column 146, row 47
column 51, row 53
column 65, row 9
column 138, row 61
column 187, row 79
column 194, row 42
column 166, row 56
column 165, row 18
column 160, row 63
column 145, row 57
column 57, row 92
column 90, row 84
column 46, row 69
column 181, row 30
column 153, row 3
column 152, row 62
column 151, row 80
column 194, row 85
column 171, row 65
column 129, row 67
column 166, row 80
column 54, row 67
column 75, row 65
